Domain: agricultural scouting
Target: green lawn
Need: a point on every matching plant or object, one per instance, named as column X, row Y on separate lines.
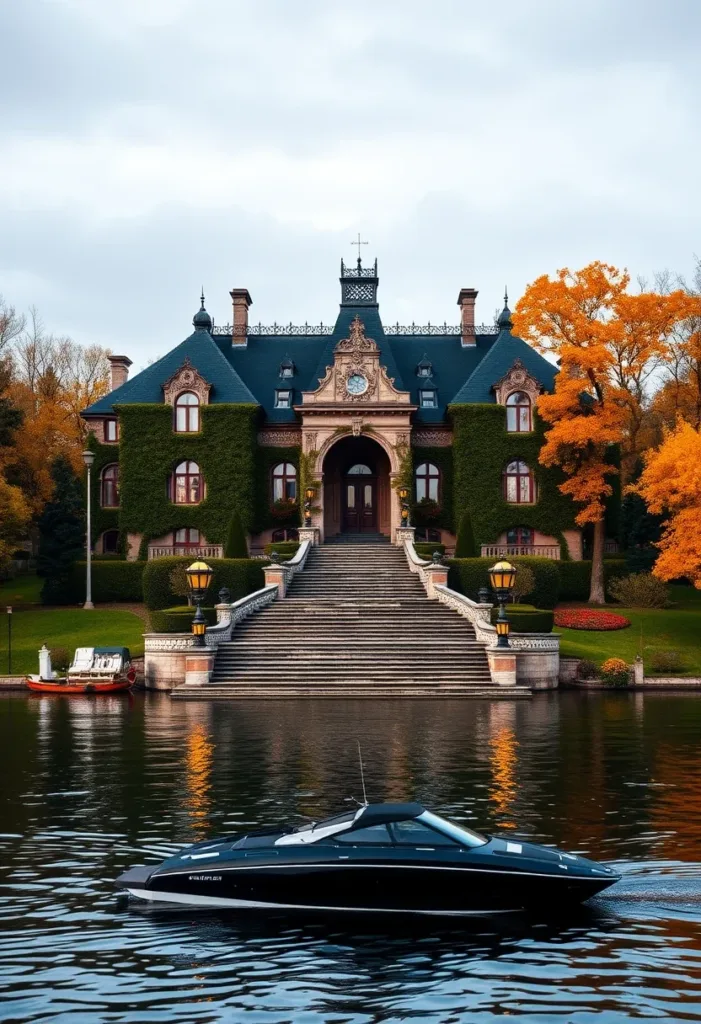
column 69, row 628
column 677, row 628
column 23, row 590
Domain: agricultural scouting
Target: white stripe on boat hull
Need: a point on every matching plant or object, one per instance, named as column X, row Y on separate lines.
column 221, row 901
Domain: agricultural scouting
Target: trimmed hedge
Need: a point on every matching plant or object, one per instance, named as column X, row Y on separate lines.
column 425, row 549
column 282, row 547
column 112, row 580
column 575, row 577
column 241, row 575
column 526, row 621
column 178, row 620
column 467, row 575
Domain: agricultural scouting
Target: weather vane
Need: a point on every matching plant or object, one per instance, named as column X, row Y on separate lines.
column 359, row 243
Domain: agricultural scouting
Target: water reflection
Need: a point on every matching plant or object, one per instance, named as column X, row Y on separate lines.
column 90, row 787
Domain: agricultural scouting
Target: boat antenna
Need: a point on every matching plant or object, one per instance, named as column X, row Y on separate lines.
column 362, row 775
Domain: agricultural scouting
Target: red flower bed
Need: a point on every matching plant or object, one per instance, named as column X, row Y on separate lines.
column 589, row 618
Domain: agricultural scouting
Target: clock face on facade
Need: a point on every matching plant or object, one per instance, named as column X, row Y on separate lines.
column 356, row 384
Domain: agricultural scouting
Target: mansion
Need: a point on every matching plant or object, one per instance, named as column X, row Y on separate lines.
column 250, row 420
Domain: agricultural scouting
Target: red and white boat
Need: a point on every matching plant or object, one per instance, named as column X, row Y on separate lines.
column 94, row 670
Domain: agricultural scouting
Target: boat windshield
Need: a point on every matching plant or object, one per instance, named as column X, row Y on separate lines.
column 458, row 832
column 314, row 831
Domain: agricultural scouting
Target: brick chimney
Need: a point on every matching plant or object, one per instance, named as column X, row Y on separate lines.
column 241, row 300
column 119, row 371
column 466, row 301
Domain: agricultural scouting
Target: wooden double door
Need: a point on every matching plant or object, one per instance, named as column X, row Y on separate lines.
column 359, row 504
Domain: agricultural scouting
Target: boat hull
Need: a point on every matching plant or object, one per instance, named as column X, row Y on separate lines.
column 376, row 888
column 78, row 686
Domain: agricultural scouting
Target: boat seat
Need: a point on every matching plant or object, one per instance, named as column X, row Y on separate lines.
column 82, row 659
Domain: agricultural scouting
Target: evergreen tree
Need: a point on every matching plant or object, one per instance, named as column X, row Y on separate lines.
column 236, row 546
column 61, row 532
column 465, row 545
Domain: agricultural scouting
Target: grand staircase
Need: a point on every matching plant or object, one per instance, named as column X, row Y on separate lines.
column 356, row 622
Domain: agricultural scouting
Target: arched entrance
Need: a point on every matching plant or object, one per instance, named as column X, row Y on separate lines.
column 357, row 493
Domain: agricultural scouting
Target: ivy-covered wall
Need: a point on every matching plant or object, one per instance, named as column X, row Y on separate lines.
column 237, row 473
column 442, row 458
column 481, row 449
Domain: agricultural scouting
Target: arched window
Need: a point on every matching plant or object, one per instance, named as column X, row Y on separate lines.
column 284, row 482
column 518, row 413
column 186, row 487
column 109, row 486
column 520, row 535
column 427, row 481
column 185, row 541
column 360, row 469
column 519, row 485
column 187, row 413
column 110, row 542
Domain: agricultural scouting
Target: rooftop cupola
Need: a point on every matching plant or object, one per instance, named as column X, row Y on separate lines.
column 359, row 284
column 202, row 321
column 504, row 321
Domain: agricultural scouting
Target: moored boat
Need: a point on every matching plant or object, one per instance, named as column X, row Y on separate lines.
column 93, row 670
column 379, row 858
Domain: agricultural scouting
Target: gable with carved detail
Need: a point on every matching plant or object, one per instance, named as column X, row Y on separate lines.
column 187, row 378
column 517, row 379
column 356, row 377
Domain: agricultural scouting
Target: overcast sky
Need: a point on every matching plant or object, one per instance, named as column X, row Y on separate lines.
column 149, row 147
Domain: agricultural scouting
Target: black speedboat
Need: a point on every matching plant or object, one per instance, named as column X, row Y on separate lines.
column 380, row 857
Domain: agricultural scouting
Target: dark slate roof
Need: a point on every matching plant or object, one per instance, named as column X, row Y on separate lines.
column 207, row 358
column 497, row 363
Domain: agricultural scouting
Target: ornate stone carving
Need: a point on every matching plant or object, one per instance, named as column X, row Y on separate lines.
column 356, row 357
column 278, row 438
column 356, row 426
column 431, row 438
column 310, row 440
column 517, row 379
column 187, row 378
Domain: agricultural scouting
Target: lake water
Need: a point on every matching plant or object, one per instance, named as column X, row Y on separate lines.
column 91, row 786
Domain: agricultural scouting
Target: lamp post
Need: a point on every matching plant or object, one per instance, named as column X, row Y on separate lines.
column 199, row 576
column 309, row 497
column 9, row 640
column 502, row 576
column 88, row 459
column 403, row 495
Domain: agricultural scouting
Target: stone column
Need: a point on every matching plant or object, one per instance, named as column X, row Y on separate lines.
column 402, row 534
column 638, row 671
column 199, row 664
column 280, row 576
column 502, row 666
column 436, row 574
column 310, row 533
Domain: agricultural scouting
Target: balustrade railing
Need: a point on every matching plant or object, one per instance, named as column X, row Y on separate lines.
column 203, row 551
column 499, row 550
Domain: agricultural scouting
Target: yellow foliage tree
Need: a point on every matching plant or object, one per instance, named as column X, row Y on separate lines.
column 671, row 484
column 607, row 343
column 15, row 516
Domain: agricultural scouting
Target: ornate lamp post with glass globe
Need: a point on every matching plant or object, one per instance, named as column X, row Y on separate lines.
column 502, row 576
column 88, row 459
column 199, row 576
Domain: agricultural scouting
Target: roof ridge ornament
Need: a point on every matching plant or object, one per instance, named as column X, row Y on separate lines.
column 504, row 321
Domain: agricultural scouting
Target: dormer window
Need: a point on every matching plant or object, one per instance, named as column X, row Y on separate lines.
column 425, row 367
column 283, row 399
column 428, row 399
column 287, row 368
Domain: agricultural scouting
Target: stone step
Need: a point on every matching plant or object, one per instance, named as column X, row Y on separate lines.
column 276, row 692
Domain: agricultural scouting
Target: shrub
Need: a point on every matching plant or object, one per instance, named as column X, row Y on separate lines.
column 467, row 575
column 178, row 619
column 178, row 581
column 614, row 672
column 60, row 658
column 524, row 582
column 639, row 590
column 426, row 512
column 61, row 532
column 524, row 620
column 236, row 545
column 667, row 663
column 425, row 549
column 465, row 544
column 575, row 577
column 111, row 581
column 589, row 618
column 109, row 556
column 282, row 547
column 240, row 575
column 587, row 669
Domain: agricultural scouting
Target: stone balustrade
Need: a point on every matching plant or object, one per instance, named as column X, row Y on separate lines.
column 502, row 550
column 168, row 550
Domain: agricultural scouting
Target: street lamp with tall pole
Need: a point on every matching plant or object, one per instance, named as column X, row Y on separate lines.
column 88, row 459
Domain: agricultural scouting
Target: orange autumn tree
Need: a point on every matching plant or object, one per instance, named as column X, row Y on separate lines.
column 671, row 484
column 607, row 343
